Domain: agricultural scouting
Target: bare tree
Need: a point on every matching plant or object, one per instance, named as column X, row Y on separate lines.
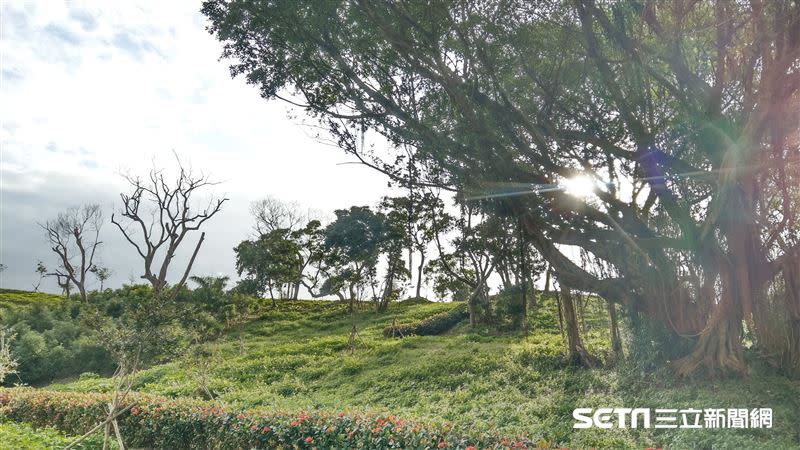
column 272, row 214
column 75, row 236
column 166, row 223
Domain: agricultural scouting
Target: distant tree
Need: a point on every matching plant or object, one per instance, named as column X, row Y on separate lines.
column 102, row 273
column 310, row 241
column 467, row 261
column 394, row 240
column 418, row 213
column 41, row 270
column 516, row 261
column 353, row 246
column 166, row 223
column 74, row 237
column 210, row 289
column 271, row 214
column 271, row 262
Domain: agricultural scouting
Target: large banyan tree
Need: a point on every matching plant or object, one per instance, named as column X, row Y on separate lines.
column 685, row 114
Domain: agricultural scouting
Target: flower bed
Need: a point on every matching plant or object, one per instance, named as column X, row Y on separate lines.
column 433, row 325
column 160, row 422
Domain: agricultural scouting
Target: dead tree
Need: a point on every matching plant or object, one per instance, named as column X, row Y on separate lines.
column 160, row 215
column 74, row 237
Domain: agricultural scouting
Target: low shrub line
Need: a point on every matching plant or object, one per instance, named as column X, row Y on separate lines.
column 433, row 325
column 160, row 422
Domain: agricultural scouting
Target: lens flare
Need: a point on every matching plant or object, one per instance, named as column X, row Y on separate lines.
column 580, row 186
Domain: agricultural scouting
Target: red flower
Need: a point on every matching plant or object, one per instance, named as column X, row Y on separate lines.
column 254, row 427
column 265, row 430
column 441, row 445
column 309, row 440
column 294, row 423
column 240, row 416
column 471, row 447
column 341, row 414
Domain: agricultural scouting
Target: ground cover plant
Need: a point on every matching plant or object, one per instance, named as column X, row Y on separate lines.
column 16, row 435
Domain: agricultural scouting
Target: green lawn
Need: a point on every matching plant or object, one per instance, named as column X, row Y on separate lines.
column 297, row 357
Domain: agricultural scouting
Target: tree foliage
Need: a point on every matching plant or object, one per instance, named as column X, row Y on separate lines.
column 685, row 112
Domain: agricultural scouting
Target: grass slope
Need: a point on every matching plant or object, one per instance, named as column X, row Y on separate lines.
column 10, row 298
column 297, row 357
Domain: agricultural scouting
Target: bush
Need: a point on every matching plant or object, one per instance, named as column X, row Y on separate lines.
column 414, row 301
column 158, row 422
column 433, row 325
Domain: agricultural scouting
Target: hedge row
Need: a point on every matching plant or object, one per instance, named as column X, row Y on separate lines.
column 433, row 325
column 160, row 422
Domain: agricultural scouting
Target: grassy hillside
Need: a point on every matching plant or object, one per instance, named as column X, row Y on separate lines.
column 12, row 298
column 298, row 357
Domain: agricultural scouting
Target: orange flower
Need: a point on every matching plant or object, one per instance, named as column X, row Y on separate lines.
column 329, row 430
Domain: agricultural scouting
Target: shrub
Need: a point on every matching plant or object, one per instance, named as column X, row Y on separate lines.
column 414, row 301
column 433, row 325
column 159, row 422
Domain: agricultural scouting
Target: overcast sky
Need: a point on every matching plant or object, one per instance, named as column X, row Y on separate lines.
column 90, row 90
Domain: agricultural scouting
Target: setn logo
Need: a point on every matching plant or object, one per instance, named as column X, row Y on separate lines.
column 611, row 417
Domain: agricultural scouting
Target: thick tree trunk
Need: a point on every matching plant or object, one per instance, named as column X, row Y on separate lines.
column 577, row 352
column 719, row 348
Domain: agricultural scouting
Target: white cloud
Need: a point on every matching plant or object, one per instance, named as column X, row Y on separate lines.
column 90, row 89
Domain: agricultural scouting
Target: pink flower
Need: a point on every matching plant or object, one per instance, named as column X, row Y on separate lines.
column 441, row 445
column 309, row 440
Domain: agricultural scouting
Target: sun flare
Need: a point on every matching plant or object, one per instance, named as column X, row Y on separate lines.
column 580, row 186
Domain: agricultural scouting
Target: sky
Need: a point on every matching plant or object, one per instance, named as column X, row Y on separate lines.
column 89, row 91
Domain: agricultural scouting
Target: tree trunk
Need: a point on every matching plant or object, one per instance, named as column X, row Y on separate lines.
column 524, row 280
column 581, row 300
column 577, row 353
column 419, row 273
column 719, row 347
column 473, row 320
column 616, row 342
column 791, row 294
